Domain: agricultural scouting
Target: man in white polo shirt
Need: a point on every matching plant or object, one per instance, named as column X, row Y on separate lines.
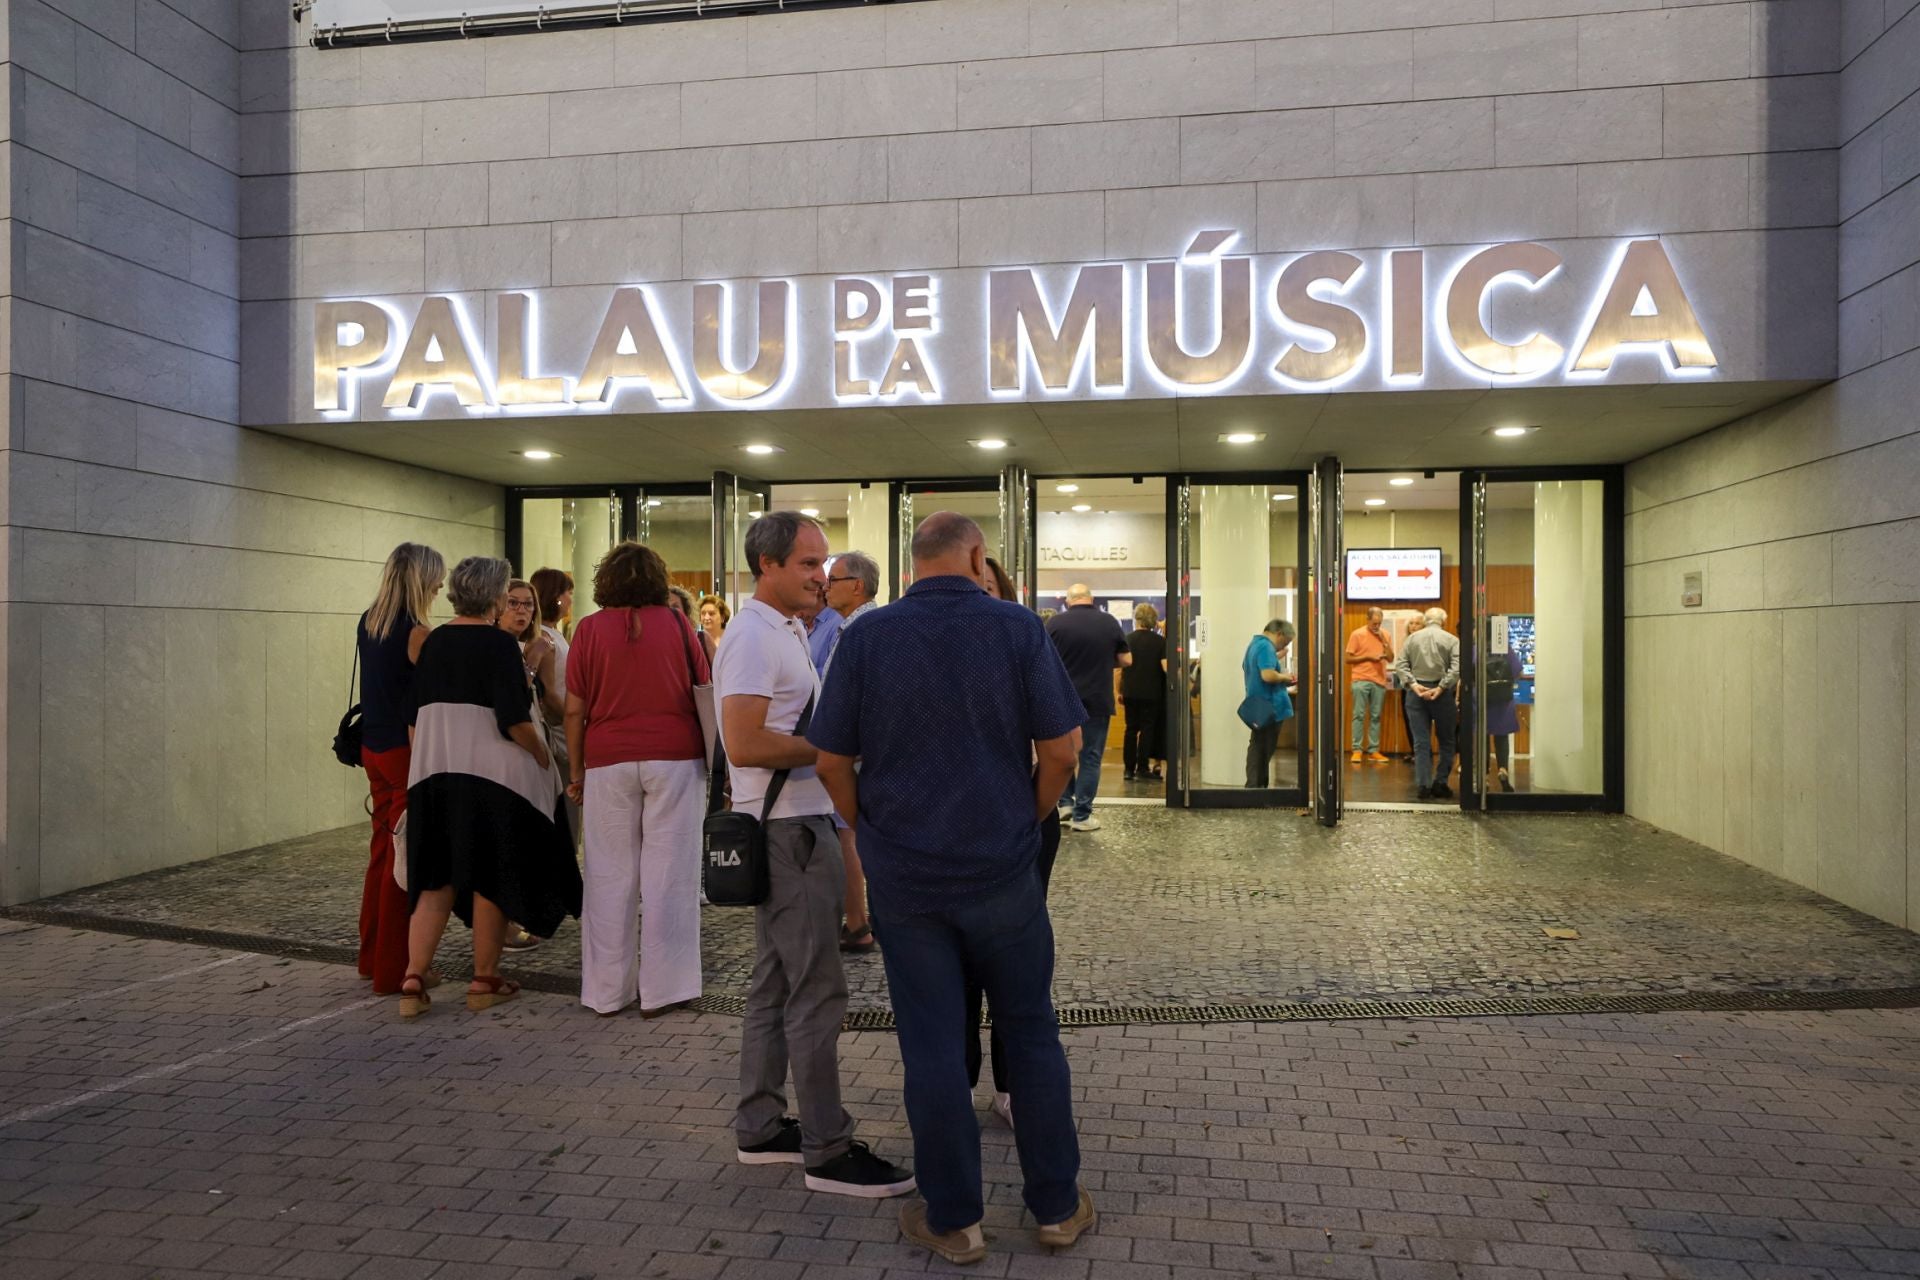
column 765, row 680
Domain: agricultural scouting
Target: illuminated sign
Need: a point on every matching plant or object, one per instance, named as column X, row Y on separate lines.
column 1393, row 573
column 1207, row 322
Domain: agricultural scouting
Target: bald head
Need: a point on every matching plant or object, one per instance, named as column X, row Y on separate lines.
column 948, row 543
column 1079, row 593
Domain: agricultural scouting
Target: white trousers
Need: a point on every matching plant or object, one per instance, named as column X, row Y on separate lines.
column 642, row 822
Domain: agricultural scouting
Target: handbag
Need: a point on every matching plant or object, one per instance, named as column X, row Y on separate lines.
column 704, row 706
column 1257, row 712
column 734, row 871
column 347, row 738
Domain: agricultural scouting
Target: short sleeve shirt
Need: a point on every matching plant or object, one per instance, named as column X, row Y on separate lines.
column 941, row 696
column 766, row 656
column 1089, row 639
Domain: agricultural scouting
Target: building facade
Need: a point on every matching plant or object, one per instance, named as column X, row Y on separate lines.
column 272, row 308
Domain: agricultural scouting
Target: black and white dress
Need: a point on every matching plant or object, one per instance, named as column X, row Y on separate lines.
column 482, row 815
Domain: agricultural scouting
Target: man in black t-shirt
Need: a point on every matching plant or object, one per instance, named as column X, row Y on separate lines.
column 1143, row 691
column 1091, row 645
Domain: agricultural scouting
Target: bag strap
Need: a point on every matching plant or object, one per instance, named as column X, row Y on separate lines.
column 353, row 676
column 780, row 778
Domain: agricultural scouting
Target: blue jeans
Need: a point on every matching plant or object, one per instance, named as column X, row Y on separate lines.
column 1436, row 715
column 1003, row 944
column 1084, row 784
column 1368, row 701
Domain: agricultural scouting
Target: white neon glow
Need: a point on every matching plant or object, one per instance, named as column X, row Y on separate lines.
column 790, row 358
column 530, row 345
column 482, row 369
column 1662, row 350
column 1025, row 364
column 1443, row 332
column 1307, row 336
column 350, row 379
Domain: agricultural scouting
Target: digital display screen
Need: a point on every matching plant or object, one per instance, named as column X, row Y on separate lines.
column 1520, row 643
column 1393, row 573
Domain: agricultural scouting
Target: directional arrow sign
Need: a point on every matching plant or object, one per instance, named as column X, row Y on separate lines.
column 1369, row 573
column 1404, row 573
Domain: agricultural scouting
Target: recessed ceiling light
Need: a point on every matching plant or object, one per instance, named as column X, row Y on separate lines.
column 811, row 513
column 988, row 445
column 1283, row 497
column 1401, row 482
column 1510, row 433
column 1066, row 488
column 1243, row 437
column 538, row 455
column 1081, row 506
column 753, row 515
column 653, row 502
column 1376, row 502
column 762, row 449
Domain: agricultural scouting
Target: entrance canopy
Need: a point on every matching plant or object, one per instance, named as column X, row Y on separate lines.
column 1419, row 429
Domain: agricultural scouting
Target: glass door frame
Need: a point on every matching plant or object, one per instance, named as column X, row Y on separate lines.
column 1474, row 641
column 904, row 517
column 625, row 498
column 729, row 530
column 1181, row 794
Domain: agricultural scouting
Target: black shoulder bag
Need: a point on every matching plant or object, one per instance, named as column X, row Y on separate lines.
column 734, row 872
column 346, row 739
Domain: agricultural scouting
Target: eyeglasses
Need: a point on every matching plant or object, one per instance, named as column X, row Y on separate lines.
column 519, row 604
column 831, row 581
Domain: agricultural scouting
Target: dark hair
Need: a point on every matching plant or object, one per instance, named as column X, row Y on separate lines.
column 548, row 586
column 629, row 576
column 1279, row 627
column 772, row 537
column 1001, row 582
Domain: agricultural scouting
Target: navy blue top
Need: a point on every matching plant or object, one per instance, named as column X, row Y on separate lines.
column 386, row 686
column 1089, row 639
column 941, row 695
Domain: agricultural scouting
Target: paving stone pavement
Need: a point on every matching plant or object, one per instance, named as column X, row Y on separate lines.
column 1171, row 908
column 170, row 1111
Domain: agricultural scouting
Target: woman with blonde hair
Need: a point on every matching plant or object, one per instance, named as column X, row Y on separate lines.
column 1143, row 693
column 640, row 773
column 389, row 637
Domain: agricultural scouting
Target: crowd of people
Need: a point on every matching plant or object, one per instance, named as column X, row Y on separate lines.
column 912, row 775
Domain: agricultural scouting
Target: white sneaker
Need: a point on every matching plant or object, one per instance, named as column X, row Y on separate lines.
column 1066, row 812
column 1003, row 1107
column 1090, row 823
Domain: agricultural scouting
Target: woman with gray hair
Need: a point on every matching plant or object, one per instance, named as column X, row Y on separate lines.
column 487, row 835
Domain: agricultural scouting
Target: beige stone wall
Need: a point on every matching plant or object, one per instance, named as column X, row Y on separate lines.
column 180, row 592
column 1780, row 723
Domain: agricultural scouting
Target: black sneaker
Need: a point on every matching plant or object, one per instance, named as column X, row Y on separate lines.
column 1424, row 793
column 1441, row 791
column 859, row 1172
column 782, row 1148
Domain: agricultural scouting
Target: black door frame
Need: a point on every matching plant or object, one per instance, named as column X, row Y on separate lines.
column 1612, row 797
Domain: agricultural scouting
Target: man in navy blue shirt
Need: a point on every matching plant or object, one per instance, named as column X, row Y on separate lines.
column 1092, row 645
column 948, row 698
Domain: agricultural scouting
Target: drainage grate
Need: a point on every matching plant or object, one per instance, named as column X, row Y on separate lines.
column 1332, row 1010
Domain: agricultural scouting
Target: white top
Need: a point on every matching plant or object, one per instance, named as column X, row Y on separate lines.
column 766, row 656
column 560, row 647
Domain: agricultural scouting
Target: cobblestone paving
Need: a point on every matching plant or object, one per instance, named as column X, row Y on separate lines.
column 169, row 1111
column 1223, row 907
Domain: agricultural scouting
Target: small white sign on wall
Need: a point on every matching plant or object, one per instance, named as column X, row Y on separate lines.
column 1693, row 589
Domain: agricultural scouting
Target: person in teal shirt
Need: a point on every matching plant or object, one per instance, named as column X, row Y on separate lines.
column 1269, row 703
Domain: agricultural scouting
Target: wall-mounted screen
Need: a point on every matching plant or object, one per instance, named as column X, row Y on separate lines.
column 1393, row 573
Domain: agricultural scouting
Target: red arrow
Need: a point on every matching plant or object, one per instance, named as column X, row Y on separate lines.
column 1369, row 573
column 1410, row 573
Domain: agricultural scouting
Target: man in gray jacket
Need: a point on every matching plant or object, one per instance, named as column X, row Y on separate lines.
column 1429, row 670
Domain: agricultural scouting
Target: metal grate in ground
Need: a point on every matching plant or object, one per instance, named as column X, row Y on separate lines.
column 1328, row 1010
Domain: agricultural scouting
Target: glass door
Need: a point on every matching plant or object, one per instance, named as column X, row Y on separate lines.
column 1543, row 670
column 980, row 500
column 677, row 522
column 567, row 529
column 1237, row 548
column 737, row 503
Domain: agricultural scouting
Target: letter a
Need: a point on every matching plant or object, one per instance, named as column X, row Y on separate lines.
column 629, row 346
column 1621, row 322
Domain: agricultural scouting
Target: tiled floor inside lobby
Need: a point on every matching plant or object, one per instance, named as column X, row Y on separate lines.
column 1165, row 908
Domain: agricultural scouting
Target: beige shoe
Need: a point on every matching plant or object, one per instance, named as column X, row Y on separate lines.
column 1058, row 1235
column 1355, row 758
column 966, row 1245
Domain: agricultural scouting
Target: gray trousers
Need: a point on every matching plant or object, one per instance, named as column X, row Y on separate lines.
column 798, row 995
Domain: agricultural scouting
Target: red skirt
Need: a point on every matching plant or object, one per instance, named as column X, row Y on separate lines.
column 383, row 904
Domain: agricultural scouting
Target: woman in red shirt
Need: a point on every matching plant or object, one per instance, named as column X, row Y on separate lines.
column 637, row 766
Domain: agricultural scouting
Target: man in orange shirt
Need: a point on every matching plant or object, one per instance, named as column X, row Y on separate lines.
column 1368, row 653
